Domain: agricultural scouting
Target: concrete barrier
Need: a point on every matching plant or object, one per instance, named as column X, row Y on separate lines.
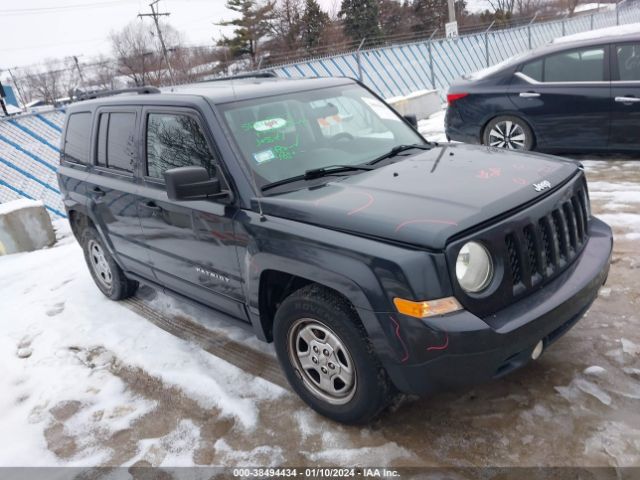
column 24, row 226
column 422, row 103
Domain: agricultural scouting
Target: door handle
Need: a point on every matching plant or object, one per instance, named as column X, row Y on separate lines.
column 151, row 206
column 628, row 100
column 97, row 192
column 529, row 94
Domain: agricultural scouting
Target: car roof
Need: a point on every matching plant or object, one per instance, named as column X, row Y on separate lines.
column 569, row 44
column 218, row 91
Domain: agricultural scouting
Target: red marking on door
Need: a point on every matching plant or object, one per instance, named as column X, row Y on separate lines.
column 520, row 181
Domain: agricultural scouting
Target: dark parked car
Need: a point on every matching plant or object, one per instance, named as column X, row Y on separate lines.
column 574, row 96
column 312, row 212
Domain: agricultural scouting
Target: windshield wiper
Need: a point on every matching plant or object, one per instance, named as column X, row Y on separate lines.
column 399, row 149
column 316, row 173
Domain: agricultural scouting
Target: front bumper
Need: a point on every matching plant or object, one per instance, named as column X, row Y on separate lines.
column 472, row 350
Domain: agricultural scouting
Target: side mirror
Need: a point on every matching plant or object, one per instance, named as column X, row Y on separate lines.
column 412, row 119
column 190, row 183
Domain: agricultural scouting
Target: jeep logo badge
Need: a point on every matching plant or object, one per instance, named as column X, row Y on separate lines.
column 542, row 185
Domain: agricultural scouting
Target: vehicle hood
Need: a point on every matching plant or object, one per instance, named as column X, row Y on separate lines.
column 427, row 198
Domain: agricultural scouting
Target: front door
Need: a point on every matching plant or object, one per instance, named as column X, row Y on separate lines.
column 192, row 244
column 566, row 98
column 625, row 96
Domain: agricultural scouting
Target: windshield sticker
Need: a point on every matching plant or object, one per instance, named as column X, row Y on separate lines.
column 380, row 109
column 269, row 124
column 264, row 156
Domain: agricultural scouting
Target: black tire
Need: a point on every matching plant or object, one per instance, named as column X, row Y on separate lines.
column 491, row 136
column 372, row 390
column 116, row 285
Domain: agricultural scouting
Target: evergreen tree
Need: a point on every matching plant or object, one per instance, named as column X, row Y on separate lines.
column 361, row 19
column 253, row 25
column 314, row 22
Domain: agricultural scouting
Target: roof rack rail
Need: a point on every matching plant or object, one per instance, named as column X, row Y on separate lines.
column 108, row 93
column 240, row 76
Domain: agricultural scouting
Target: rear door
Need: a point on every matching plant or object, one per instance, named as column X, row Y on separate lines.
column 112, row 187
column 192, row 244
column 625, row 93
column 566, row 98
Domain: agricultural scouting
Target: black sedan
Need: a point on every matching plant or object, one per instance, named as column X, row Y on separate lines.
column 572, row 96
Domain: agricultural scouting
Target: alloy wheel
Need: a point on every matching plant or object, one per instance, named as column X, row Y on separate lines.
column 508, row 134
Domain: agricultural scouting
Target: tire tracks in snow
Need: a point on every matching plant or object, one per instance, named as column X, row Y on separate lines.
column 251, row 361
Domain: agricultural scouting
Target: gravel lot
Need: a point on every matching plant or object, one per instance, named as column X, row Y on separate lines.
column 101, row 385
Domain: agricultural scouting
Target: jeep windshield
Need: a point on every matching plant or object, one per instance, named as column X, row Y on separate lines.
column 283, row 137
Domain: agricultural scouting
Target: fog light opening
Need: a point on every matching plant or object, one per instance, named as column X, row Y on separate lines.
column 537, row 350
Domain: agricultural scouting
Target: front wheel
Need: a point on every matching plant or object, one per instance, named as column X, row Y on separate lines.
column 327, row 358
column 508, row 132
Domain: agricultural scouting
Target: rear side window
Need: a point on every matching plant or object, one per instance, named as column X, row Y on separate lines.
column 77, row 137
column 116, row 141
column 176, row 140
column 585, row 65
column 628, row 61
column 533, row 70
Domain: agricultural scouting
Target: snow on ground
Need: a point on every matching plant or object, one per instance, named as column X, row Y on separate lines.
column 432, row 128
column 60, row 338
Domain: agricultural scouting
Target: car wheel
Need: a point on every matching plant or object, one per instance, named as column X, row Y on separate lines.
column 106, row 273
column 508, row 132
column 324, row 352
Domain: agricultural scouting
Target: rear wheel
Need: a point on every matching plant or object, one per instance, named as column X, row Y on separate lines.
column 106, row 273
column 508, row 132
column 327, row 358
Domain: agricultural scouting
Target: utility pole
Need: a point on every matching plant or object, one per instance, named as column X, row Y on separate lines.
column 75, row 60
column 18, row 89
column 451, row 27
column 156, row 15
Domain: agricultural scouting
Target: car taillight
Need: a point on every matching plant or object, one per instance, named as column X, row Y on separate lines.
column 452, row 97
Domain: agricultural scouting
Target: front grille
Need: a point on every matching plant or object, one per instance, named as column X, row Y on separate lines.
column 540, row 250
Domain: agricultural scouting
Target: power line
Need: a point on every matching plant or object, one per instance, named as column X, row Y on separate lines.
column 46, row 10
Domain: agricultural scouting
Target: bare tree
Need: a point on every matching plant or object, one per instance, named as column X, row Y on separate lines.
column 139, row 52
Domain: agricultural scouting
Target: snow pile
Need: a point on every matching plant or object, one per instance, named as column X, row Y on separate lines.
column 14, row 205
column 432, row 128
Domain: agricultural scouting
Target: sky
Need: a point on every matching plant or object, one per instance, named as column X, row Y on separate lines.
column 32, row 31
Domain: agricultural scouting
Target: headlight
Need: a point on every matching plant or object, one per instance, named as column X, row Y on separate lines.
column 474, row 267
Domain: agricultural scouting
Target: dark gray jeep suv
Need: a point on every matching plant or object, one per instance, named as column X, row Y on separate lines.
column 375, row 261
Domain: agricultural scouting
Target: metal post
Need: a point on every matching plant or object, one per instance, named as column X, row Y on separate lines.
column 358, row 58
column 617, row 14
column 529, row 29
column 486, row 42
column 563, row 27
column 433, row 72
column 591, row 22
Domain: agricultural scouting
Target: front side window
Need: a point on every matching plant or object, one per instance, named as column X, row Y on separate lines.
column 77, row 141
column 585, row 65
column 116, row 141
column 628, row 61
column 173, row 141
column 285, row 135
